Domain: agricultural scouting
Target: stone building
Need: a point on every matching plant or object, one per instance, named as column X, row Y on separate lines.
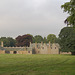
column 43, row 48
column 18, row 50
column 35, row 48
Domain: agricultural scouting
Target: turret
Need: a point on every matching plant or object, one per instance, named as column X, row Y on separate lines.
column 2, row 44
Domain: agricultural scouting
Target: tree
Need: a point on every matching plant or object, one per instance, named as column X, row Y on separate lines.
column 38, row 38
column 57, row 40
column 11, row 41
column 33, row 41
column 44, row 40
column 69, row 7
column 67, row 40
column 8, row 42
column 24, row 40
column 51, row 38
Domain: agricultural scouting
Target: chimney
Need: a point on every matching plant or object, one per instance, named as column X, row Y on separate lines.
column 2, row 44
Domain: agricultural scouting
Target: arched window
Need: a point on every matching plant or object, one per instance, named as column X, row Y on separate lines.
column 15, row 52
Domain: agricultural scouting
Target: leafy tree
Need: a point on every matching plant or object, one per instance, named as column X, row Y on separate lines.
column 57, row 40
column 44, row 40
column 38, row 39
column 5, row 41
column 67, row 39
column 8, row 41
column 11, row 41
column 23, row 40
column 69, row 7
column 33, row 41
column 51, row 38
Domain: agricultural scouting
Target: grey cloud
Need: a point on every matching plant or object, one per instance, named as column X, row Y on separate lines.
column 31, row 16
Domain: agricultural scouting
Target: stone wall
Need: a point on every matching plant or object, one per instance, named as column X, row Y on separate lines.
column 54, row 49
column 2, row 51
column 41, row 48
column 65, row 52
column 18, row 50
column 35, row 48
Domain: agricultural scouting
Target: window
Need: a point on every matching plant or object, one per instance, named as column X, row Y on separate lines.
column 15, row 52
column 51, row 47
column 28, row 51
column 55, row 47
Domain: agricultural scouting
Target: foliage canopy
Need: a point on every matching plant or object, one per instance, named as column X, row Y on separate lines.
column 69, row 7
column 38, row 38
column 8, row 41
column 67, row 39
column 24, row 40
column 51, row 38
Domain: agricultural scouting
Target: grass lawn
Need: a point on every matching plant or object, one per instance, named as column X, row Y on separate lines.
column 18, row 64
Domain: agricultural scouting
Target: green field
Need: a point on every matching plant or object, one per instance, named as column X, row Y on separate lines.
column 18, row 64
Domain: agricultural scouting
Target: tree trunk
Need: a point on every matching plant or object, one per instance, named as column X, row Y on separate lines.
column 73, row 53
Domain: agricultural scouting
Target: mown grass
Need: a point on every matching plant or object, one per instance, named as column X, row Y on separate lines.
column 18, row 64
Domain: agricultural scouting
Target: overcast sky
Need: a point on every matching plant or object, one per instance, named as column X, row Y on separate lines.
column 36, row 17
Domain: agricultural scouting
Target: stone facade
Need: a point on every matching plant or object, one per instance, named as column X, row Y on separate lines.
column 35, row 48
column 65, row 52
column 43, row 48
column 2, row 51
column 18, row 50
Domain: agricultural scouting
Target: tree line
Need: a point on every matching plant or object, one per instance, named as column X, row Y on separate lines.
column 24, row 40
